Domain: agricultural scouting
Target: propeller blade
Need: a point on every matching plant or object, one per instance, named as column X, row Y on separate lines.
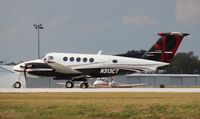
column 25, row 67
column 25, row 74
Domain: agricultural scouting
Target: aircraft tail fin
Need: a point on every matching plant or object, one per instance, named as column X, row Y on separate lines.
column 165, row 48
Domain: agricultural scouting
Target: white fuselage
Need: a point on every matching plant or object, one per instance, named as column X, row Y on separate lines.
column 103, row 61
column 90, row 65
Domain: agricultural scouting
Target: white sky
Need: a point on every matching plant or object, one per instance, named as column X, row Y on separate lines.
column 86, row 26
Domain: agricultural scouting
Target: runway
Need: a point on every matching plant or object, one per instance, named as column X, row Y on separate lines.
column 62, row 90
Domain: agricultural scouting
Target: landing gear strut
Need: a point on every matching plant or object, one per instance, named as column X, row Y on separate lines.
column 69, row 84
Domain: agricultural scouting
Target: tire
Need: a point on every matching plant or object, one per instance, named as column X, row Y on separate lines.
column 69, row 84
column 17, row 84
column 84, row 85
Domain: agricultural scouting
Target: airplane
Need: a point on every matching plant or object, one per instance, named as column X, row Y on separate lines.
column 104, row 82
column 74, row 67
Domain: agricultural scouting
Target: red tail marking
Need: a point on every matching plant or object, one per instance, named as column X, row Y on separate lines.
column 170, row 57
column 157, row 46
column 163, row 48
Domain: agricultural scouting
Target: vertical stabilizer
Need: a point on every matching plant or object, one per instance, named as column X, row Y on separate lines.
column 165, row 48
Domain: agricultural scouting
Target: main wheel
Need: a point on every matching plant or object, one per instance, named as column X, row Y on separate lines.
column 17, row 84
column 69, row 84
column 84, row 85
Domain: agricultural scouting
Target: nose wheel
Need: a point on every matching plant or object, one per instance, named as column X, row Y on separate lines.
column 17, row 84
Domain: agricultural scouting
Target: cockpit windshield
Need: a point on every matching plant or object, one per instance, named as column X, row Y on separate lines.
column 48, row 58
column 45, row 58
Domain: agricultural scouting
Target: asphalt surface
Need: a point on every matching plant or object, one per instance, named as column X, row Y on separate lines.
column 57, row 90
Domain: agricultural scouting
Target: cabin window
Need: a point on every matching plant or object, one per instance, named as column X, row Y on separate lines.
column 65, row 58
column 78, row 59
column 85, row 59
column 91, row 60
column 114, row 61
column 71, row 59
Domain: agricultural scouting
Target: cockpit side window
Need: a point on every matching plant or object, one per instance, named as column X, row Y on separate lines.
column 50, row 57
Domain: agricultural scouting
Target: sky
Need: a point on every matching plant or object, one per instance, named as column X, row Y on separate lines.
column 87, row 26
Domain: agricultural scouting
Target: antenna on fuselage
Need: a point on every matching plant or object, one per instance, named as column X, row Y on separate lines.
column 100, row 52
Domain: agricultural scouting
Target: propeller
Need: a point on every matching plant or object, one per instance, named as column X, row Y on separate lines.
column 25, row 77
column 25, row 68
column 25, row 73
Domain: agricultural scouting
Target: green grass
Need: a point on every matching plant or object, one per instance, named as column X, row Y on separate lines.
column 99, row 105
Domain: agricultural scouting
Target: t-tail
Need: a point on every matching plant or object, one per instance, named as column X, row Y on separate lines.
column 165, row 48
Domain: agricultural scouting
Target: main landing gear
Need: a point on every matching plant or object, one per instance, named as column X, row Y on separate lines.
column 84, row 85
column 70, row 84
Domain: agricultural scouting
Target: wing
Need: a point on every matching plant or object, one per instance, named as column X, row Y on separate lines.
column 62, row 69
column 130, row 85
column 77, row 75
column 121, row 85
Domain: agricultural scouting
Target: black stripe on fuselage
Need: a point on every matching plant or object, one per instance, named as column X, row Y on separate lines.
column 92, row 72
column 42, row 69
column 52, row 74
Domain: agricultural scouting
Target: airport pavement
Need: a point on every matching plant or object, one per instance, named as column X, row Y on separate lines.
column 57, row 90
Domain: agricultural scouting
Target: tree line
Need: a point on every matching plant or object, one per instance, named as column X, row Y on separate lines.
column 184, row 63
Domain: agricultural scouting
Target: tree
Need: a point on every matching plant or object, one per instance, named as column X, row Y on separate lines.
column 184, row 63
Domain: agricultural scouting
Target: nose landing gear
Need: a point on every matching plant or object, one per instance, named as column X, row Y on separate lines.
column 17, row 84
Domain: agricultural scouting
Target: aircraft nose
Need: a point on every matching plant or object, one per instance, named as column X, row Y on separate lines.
column 19, row 67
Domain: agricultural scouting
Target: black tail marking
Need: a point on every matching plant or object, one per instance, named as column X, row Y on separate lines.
column 165, row 48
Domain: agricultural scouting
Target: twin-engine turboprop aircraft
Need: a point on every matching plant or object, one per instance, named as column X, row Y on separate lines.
column 80, row 67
